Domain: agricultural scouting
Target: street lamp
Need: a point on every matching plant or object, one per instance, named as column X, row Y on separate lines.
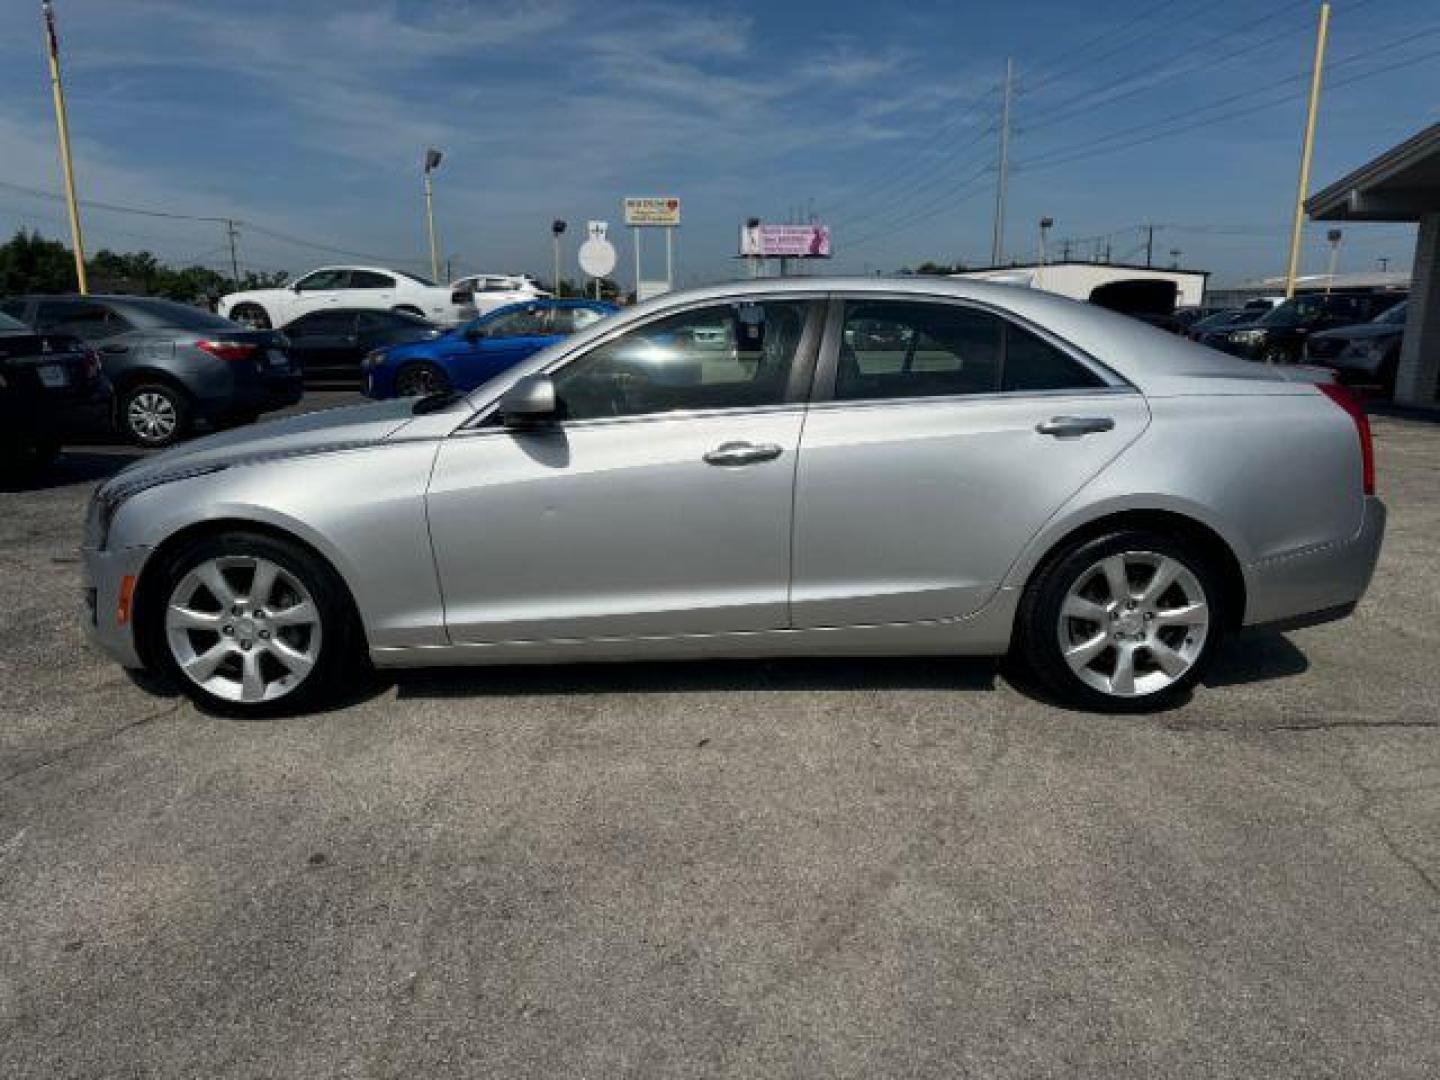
column 1046, row 224
column 432, row 162
column 1333, row 236
column 557, row 229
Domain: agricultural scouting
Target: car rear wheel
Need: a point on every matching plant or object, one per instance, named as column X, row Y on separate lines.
column 1275, row 354
column 154, row 414
column 249, row 624
column 1125, row 622
column 419, row 380
column 250, row 316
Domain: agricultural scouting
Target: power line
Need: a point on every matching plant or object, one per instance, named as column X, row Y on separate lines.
column 1081, row 105
column 1100, row 39
column 1063, row 155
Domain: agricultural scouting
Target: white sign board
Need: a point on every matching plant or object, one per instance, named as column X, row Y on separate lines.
column 647, row 210
column 597, row 256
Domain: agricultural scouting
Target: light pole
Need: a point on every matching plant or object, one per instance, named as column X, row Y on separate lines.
column 62, row 131
column 557, row 230
column 432, row 162
column 1046, row 224
column 1334, row 237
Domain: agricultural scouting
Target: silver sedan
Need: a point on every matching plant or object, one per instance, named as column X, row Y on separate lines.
column 802, row 467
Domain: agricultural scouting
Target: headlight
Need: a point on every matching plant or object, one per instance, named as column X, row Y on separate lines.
column 106, row 501
column 373, row 359
column 1247, row 337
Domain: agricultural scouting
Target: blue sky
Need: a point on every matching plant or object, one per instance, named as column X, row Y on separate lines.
column 308, row 120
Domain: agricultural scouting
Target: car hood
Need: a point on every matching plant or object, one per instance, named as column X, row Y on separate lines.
column 1361, row 332
column 328, row 429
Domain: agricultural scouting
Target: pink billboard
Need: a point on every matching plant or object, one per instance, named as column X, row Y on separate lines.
column 785, row 241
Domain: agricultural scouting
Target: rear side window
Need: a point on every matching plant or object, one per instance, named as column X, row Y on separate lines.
column 368, row 279
column 85, row 319
column 918, row 349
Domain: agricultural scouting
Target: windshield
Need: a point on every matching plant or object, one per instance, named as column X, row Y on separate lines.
column 416, row 277
column 12, row 326
column 1293, row 312
column 1393, row 316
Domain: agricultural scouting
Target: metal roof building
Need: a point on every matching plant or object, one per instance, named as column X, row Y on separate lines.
column 1402, row 185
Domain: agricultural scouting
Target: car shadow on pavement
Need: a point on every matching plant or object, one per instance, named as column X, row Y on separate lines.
column 691, row 676
column 1256, row 656
column 78, row 466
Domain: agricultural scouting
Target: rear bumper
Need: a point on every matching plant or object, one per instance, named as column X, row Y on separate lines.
column 1316, row 584
column 102, row 573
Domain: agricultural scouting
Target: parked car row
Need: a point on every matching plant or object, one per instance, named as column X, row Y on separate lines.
column 170, row 365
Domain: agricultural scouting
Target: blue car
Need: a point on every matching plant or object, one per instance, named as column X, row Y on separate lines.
column 478, row 350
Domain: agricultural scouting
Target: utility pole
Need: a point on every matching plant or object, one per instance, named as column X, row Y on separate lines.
column 230, row 234
column 997, row 242
column 62, row 130
column 432, row 162
column 1149, row 246
column 1307, row 148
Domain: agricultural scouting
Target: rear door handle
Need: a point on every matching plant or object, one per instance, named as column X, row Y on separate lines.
column 742, row 453
column 1069, row 426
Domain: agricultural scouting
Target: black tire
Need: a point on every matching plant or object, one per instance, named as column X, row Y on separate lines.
column 27, row 459
column 420, row 379
column 341, row 657
column 154, row 414
column 1039, row 625
column 252, row 316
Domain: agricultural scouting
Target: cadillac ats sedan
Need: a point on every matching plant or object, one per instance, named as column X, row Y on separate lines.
column 773, row 468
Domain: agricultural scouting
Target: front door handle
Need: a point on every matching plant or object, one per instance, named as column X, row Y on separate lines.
column 742, row 453
column 1069, row 426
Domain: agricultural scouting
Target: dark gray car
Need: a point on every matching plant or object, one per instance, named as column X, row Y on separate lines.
column 171, row 364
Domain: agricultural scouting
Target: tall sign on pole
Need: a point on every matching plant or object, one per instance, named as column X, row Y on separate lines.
column 653, row 212
column 1307, row 148
column 62, row 129
column 997, row 242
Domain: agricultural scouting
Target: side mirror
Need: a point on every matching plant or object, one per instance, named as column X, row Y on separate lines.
column 529, row 403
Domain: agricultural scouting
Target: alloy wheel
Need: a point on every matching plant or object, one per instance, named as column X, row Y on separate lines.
column 243, row 628
column 152, row 416
column 1134, row 623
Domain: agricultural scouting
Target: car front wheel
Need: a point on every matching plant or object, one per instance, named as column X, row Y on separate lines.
column 419, row 380
column 1125, row 622
column 249, row 624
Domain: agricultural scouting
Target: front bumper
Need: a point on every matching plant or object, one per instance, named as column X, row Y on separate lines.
column 1325, row 580
column 102, row 575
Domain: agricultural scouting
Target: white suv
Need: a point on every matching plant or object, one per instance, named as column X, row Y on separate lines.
column 350, row 287
column 496, row 290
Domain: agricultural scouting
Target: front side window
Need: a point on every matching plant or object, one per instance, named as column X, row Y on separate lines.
column 730, row 356
column 369, row 279
column 527, row 322
column 919, row 349
column 569, row 320
column 323, row 279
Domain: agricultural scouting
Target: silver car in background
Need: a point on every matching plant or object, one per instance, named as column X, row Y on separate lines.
column 796, row 467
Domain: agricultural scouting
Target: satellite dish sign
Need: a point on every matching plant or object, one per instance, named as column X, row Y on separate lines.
column 597, row 254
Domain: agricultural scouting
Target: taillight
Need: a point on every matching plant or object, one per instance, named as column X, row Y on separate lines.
column 1351, row 404
column 228, row 350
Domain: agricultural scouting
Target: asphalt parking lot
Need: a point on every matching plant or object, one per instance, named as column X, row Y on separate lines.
column 807, row 869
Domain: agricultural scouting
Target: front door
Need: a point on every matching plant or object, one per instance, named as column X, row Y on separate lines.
column 314, row 291
column 658, row 504
column 949, row 437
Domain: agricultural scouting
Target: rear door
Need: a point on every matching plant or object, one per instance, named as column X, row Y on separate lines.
column 324, row 341
column 942, row 437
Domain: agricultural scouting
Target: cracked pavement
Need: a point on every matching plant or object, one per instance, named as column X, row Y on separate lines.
column 812, row 868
